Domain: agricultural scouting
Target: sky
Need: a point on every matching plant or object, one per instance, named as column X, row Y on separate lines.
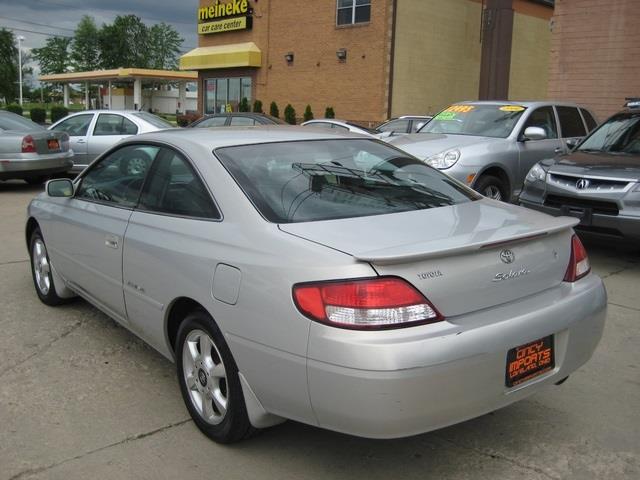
column 60, row 17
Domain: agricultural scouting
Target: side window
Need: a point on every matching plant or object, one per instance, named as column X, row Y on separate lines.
column 242, row 121
column 339, row 127
column 320, row 125
column 589, row 120
column 570, row 122
column 117, row 179
column 112, row 124
column 212, row 122
column 76, row 126
column 395, row 126
column 175, row 189
column 544, row 118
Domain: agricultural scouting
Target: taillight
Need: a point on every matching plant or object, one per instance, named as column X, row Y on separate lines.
column 28, row 144
column 579, row 264
column 372, row 303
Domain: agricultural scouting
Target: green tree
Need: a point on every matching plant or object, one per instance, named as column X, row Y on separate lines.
column 8, row 66
column 257, row 106
column 329, row 113
column 273, row 110
column 125, row 43
column 290, row 114
column 164, row 46
column 85, row 51
column 55, row 56
column 308, row 114
column 244, row 105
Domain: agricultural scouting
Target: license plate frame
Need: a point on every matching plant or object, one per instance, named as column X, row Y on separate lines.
column 53, row 144
column 530, row 360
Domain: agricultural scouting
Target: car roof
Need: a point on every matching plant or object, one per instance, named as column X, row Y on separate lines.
column 106, row 111
column 212, row 138
column 528, row 103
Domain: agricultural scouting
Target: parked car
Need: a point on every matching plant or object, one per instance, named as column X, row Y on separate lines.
column 29, row 152
column 236, row 119
column 491, row 145
column 404, row 124
column 91, row 132
column 598, row 182
column 342, row 126
column 322, row 277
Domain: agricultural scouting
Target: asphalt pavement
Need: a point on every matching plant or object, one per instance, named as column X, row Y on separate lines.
column 80, row 397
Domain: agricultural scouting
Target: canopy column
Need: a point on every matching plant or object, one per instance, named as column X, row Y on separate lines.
column 65, row 90
column 137, row 94
column 182, row 97
column 86, row 96
column 110, row 107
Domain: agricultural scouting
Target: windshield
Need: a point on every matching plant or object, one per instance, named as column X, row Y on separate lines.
column 481, row 120
column 153, row 120
column 619, row 134
column 16, row 122
column 292, row 182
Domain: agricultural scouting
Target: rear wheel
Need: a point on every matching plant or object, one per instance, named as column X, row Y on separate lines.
column 41, row 271
column 492, row 187
column 209, row 380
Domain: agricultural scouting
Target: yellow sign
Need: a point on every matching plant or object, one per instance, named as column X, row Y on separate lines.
column 460, row 108
column 218, row 10
column 227, row 25
column 512, row 108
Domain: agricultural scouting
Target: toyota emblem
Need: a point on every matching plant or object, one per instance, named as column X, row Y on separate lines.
column 582, row 184
column 507, row 256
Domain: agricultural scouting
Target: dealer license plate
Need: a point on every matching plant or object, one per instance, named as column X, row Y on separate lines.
column 529, row 361
column 53, row 144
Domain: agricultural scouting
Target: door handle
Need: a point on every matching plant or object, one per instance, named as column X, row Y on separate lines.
column 558, row 150
column 81, row 140
column 111, row 241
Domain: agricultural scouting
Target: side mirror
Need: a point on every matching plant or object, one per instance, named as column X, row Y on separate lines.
column 534, row 133
column 60, row 187
column 572, row 142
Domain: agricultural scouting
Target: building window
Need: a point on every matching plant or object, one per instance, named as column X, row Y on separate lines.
column 353, row 11
column 224, row 94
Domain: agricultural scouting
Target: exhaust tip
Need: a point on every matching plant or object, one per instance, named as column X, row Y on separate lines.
column 560, row 382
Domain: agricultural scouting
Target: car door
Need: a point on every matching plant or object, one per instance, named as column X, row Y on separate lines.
column 168, row 243
column 90, row 228
column 532, row 151
column 108, row 130
column 571, row 126
column 77, row 127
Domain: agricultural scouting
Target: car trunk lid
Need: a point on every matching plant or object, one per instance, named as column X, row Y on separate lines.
column 463, row 258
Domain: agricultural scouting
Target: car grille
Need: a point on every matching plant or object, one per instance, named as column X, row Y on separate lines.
column 597, row 206
column 597, row 184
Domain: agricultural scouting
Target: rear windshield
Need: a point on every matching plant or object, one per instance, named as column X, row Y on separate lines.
column 620, row 134
column 153, row 120
column 481, row 120
column 16, row 122
column 293, row 182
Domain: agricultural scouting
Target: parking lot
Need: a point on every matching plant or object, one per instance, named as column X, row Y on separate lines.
column 81, row 397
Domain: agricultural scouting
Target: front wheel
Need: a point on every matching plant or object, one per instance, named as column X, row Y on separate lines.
column 41, row 271
column 209, row 380
column 492, row 187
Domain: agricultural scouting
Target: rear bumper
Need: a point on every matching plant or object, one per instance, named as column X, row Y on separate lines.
column 621, row 225
column 420, row 379
column 40, row 165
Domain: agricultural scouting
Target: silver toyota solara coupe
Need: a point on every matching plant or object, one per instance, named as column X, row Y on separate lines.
column 322, row 277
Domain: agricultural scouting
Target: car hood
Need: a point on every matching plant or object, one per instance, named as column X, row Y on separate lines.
column 600, row 163
column 423, row 145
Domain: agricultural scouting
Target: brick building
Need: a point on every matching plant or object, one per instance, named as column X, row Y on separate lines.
column 369, row 59
column 595, row 46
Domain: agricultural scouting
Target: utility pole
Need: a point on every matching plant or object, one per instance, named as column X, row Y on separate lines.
column 20, row 40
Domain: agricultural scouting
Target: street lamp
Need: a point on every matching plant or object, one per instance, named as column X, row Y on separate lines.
column 20, row 40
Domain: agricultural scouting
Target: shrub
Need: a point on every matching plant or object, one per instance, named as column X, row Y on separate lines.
column 329, row 113
column 289, row 114
column 273, row 110
column 308, row 114
column 58, row 112
column 186, row 119
column 244, row 105
column 14, row 108
column 38, row 114
column 257, row 106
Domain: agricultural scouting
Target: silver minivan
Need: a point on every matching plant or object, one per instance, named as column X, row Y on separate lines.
column 492, row 145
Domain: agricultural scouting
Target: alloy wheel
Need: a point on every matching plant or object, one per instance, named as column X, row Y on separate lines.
column 493, row 192
column 41, row 266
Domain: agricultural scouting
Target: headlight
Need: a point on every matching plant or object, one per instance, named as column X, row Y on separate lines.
column 536, row 174
column 444, row 160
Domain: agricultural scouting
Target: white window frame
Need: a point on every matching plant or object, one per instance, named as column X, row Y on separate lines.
column 353, row 13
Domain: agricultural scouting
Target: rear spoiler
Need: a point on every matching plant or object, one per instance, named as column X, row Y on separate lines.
column 462, row 244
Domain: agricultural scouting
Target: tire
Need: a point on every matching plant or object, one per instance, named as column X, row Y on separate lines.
column 135, row 165
column 209, row 382
column 36, row 180
column 41, row 271
column 492, row 187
